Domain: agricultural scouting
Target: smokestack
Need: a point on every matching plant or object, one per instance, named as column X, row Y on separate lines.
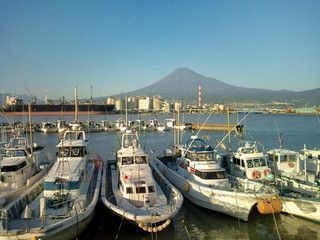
column 200, row 95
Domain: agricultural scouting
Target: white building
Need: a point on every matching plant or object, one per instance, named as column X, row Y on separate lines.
column 145, row 103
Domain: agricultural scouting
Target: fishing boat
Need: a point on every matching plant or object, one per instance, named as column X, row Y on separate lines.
column 247, row 162
column 62, row 206
column 22, row 165
column 137, row 193
column 312, row 161
column 194, row 169
column 299, row 190
column 47, row 127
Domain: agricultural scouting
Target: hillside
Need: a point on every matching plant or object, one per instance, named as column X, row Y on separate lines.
column 182, row 84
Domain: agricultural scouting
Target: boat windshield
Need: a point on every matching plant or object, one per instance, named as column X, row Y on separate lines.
column 207, row 156
column 211, row 175
column 248, row 150
column 71, row 152
column 258, row 162
column 13, row 168
column 132, row 160
column 16, row 153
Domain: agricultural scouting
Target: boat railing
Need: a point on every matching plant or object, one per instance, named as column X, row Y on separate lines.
column 174, row 198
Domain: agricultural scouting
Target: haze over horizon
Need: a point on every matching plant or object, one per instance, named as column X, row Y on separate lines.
column 120, row 46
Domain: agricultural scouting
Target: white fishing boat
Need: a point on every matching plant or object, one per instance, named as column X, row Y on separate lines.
column 62, row 206
column 136, row 193
column 48, row 127
column 311, row 159
column 21, row 166
column 195, row 171
column 300, row 192
column 247, row 162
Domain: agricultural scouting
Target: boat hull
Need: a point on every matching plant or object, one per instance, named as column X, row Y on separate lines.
column 58, row 109
column 53, row 229
column 308, row 209
column 142, row 217
column 238, row 205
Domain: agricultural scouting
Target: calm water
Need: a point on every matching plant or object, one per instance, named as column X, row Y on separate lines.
column 193, row 222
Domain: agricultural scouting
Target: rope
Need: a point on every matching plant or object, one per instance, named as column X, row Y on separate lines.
column 120, row 225
column 186, row 229
column 275, row 222
column 239, row 225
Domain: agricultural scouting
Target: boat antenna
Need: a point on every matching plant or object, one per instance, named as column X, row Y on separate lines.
column 76, row 104
column 126, row 105
column 279, row 135
column 30, row 127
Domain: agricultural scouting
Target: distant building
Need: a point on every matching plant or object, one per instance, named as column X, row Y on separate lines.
column 120, row 104
column 157, row 103
column 145, row 103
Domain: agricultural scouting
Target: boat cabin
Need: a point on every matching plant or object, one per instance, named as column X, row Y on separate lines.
column 249, row 162
column 283, row 161
column 196, row 160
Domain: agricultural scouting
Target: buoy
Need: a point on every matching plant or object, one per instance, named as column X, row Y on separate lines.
column 277, row 205
column 187, row 187
column 269, row 206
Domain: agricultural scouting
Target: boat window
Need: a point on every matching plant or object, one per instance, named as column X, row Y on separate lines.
column 140, row 159
column 16, row 153
column 205, row 156
column 242, row 163
column 129, row 190
column 140, row 190
column 64, row 152
column 151, row 189
column 211, row 175
column 291, row 157
column 236, row 161
column 77, row 152
column 13, row 168
column 283, row 158
column 249, row 163
column 127, row 160
column 259, row 162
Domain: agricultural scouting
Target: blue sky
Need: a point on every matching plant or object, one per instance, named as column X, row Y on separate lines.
column 120, row 46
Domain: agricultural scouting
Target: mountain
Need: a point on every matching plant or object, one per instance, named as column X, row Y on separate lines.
column 182, row 84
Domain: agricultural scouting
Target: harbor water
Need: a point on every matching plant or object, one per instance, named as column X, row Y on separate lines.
column 193, row 222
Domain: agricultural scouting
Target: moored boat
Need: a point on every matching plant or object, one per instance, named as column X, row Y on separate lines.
column 299, row 190
column 136, row 193
column 62, row 205
column 195, row 171
column 22, row 165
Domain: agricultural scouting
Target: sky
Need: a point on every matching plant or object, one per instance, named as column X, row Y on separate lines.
column 49, row 47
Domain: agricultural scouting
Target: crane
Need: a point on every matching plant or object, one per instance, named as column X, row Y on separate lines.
column 34, row 98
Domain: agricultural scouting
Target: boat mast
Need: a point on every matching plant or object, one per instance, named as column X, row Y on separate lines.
column 76, row 105
column 126, row 105
column 30, row 127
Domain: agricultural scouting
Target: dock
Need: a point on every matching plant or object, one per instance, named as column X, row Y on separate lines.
column 213, row 127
